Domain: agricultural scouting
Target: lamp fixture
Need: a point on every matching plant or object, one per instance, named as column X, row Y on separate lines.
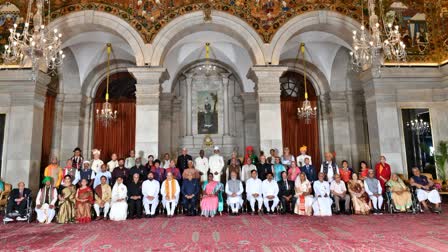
column 305, row 112
column 107, row 115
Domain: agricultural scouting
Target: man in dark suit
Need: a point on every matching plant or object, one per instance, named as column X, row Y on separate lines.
column 286, row 193
column 309, row 170
column 18, row 201
column 182, row 160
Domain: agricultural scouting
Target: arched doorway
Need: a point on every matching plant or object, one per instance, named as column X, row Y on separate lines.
column 119, row 137
column 294, row 131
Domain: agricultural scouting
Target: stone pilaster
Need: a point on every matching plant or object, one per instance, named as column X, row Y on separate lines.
column 24, row 120
column 147, row 108
column 267, row 85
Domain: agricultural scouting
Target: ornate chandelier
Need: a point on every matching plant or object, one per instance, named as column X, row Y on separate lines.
column 107, row 115
column 207, row 68
column 372, row 47
column 420, row 127
column 33, row 43
column 306, row 111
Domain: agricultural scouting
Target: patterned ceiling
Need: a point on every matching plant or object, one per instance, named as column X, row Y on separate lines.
column 267, row 16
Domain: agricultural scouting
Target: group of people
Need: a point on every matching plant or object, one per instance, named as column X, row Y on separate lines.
column 136, row 187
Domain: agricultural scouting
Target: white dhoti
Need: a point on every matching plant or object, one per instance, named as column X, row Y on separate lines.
column 45, row 214
column 322, row 206
column 252, row 201
column 170, row 206
column 275, row 202
column 153, row 203
column 432, row 196
column 234, row 202
column 105, row 209
column 118, row 211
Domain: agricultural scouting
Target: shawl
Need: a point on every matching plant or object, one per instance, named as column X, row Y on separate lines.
column 170, row 188
column 99, row 191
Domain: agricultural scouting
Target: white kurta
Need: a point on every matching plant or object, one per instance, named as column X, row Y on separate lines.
column 119, row 209
column 301, row 160
column 254, row 186
column 270, row 188
column 237, row 199
column 150, row 188
column 245, row 171
column 216, row 164
column 129, row 162
column 111, row 165
column 322, row 205
column 287, row 161
column 45, row 214
column 165, row 193
column 330, row 174
column 165, row 164
column 201, row 164
column 96, row 165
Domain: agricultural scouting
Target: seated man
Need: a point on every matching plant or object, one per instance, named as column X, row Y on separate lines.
column 425, row 190
column 374, row 190
column 18, row 202
column 170, row 194
column 270, row 191
column 45, row 201
column 135, row 197
column 150, row 191
column 234, row 189
column 103, row 194
column 322, row 201
column 254, row 191
column 190, row 191
column 286, row 193
column 339, row 192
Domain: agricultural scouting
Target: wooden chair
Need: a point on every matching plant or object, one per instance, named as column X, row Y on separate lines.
column 4, row 196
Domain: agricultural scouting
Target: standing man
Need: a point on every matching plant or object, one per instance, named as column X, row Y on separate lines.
column 216, row 164
column 112, row 164
column 182, row 160
column 45, row 202
column 85, row 173
column 201, row 164
column 140, row 169
column 120, row 171
column 130, row 161
column 77, row 159
column 254, row 192
column 301, row 158
column 104, row 172
column 264, row 167
column 54, row 171
column 247, row 169
column 383, row 172
column 96, row 163
column 329, row 168
column 150, row 191
column 309, row 170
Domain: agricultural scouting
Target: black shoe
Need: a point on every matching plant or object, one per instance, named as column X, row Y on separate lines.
column 348, row 212
column 337, row 212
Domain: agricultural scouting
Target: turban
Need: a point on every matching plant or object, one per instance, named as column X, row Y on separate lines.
column 216, row 148
column 303, row 148
column 86, row 162
column 47, row 178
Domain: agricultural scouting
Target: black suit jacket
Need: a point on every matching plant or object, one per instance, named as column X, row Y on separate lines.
column 15, row 194
column 311, row 174
column 282, row 191
column 182, row 162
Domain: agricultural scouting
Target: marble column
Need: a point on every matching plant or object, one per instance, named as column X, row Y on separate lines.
column 225, row 83
column 147, row 108
column 24, row 125
column 383, row 122
column 267, row 83
column 189, row 87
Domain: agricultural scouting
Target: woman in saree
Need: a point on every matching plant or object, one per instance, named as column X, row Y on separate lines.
column 293, row 171
column 84, row 201
column 400, row 194
column 303, row 194
column 364, row 170
column 66, row 212
column 360, row 199
column 212, row 201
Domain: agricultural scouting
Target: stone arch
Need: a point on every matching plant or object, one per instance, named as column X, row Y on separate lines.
column 318, row 80
column 89, row 20
column 328, row 21
column 221, row 22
